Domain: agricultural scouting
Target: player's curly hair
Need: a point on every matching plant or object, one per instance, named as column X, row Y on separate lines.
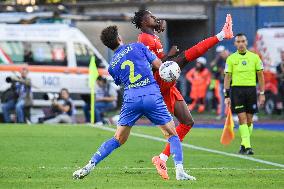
column 138, row 16
column 109, row 37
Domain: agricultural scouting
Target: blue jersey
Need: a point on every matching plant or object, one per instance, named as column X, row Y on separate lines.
column 131, row 67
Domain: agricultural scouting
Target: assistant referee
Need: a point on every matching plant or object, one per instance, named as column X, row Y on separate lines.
column 242, row 68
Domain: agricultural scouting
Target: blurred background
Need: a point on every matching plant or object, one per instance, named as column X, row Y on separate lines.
column 46, row 45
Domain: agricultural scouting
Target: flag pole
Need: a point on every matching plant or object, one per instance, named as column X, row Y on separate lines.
column 93, row 75
column 93, row 103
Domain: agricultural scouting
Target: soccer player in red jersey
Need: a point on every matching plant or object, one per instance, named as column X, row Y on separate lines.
column 149, row 25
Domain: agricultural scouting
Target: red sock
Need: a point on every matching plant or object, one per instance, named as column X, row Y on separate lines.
column 182, row 130
column 200, row 48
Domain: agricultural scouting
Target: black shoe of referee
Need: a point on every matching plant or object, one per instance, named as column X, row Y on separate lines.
column 249, row 151
column 242, row 150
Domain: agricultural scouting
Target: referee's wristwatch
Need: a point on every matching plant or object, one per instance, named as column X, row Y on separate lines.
column 261, row 92
column 226, row 93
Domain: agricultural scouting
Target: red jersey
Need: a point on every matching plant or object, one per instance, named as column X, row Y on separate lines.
column 154, row 44
column 168, row 89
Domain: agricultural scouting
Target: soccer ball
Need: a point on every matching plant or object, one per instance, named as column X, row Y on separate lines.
column 169, row 71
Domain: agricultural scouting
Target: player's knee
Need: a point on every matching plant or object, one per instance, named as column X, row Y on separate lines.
column 189, row 122
column 121, row 139
column 169, row 132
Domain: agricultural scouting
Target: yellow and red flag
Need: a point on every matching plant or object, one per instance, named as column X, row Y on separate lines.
column 228, row 132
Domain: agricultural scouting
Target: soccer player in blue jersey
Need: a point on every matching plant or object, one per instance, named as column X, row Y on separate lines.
column 131, row 66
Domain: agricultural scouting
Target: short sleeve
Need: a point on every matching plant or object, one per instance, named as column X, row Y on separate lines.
column 150, row 56
column 258, row 63
column 228, row 65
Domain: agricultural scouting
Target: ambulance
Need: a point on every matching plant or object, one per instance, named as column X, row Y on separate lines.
column 269, row 43
column 56, row 55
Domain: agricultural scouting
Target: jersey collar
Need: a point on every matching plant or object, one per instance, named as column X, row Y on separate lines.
column 242, row 53
column 118, row 49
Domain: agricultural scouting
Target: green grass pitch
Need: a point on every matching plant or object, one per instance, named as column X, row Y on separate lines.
column 45, row 157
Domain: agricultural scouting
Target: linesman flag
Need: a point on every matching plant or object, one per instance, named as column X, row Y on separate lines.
column 93, row 76
column 228, row 132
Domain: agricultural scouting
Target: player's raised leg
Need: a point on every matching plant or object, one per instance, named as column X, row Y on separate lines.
column 180, row 108
column 120, row 137
column 145, row 21
column 202, row 47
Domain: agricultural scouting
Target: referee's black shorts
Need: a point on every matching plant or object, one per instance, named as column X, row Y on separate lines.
column 244, row 99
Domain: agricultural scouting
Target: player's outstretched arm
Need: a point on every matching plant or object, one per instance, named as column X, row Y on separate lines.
column 202, row 47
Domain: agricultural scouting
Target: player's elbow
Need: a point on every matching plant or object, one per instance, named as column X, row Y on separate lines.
column 157, row 63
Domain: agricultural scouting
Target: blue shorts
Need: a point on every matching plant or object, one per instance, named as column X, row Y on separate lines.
column 151, row 106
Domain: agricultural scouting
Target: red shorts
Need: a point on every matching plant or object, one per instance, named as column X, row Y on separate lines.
column 170, row 97
column 169, row 92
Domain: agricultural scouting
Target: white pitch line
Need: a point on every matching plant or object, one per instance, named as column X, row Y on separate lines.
column 199, row 148
column 192, row 168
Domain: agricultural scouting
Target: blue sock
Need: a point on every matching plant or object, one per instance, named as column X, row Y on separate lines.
column 176, row 149
column 105, row 149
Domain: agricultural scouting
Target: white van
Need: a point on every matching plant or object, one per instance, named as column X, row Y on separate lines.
column 269, row 42
column 56, row 55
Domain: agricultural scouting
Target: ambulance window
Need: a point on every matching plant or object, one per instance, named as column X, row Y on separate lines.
column 11, row 51
column 83, row 54
column 46, row 53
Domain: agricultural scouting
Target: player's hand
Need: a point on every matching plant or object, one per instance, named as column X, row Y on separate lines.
column 173, row 51
column 161, row 26
column 261, row 100
column 228, row 102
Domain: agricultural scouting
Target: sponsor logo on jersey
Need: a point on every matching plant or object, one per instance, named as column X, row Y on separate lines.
column 140, row 83
column 159, row 50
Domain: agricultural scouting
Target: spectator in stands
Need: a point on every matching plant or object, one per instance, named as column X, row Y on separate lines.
column 280, row 75
column 217, row 67
column 106, row 97
column 199, row 77
column 18, row 98
column 62, row 109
